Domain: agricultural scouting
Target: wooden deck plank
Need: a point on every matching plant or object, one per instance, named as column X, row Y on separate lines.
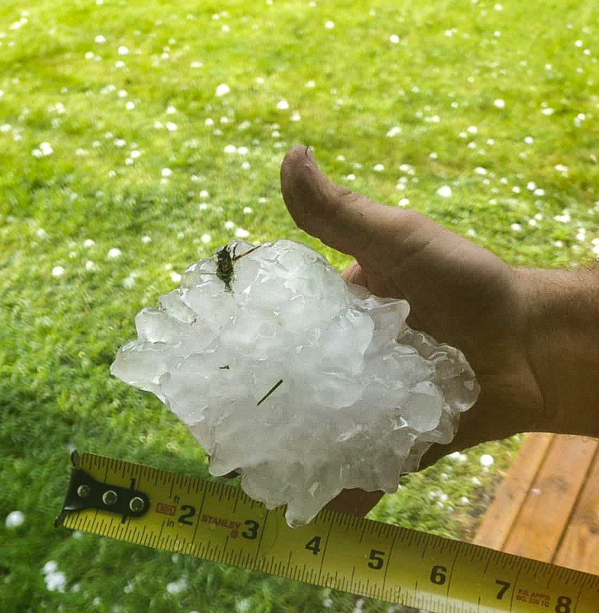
column 580, row 546
column 511, row 494
column 545, row 513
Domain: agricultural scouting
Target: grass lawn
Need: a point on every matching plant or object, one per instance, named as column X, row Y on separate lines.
column 124, row 158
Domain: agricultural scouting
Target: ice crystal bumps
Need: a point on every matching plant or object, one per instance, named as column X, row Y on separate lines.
column 304, row 383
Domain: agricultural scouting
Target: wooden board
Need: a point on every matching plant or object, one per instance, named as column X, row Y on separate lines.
column 545, row 513
column 511, row 494
column 579, row 548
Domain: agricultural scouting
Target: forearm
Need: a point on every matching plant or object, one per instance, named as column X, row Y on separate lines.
column 563, row 345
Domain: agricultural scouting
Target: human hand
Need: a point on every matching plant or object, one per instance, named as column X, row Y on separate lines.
column 459, row 293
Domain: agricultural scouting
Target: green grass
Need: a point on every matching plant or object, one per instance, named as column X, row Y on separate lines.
column 58, row 335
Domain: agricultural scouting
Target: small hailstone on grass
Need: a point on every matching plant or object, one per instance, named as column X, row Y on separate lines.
column 130, row 105
column 472, row 130
column 171, row 126
column 58, row 271
column 445, row 191
column 548, row 111
column 531, row 186
column 476, row 481
column 166, row 172
column 54, row 579
column 90, row 266
column 114, row 253
column 176, row 587
column 247, row 210
column 464, row 501
column 295, row 116
column 486, row 459
column 242, row 150
column 146, row 239
column 351, row 177
column 129, row 281
column 564, row 217
column 310, row 84
column 100, row 39
column 222, row 90
column 175, row 277
column 403, row 202
column 46, row 149
column 539, row 192
column 516, row 227
column 479, row 170
column 379, row 168
column 206, row 238
column 229, row 225
column 329, row 25
column 230, row 149
column 14, row 519
column 394, row 39
column 282, row 105
column 499, row 103
column 280, row 342
column 241, row 233
column 122, row 50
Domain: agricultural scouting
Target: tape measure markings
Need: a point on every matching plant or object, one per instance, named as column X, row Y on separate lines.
column 219, row 522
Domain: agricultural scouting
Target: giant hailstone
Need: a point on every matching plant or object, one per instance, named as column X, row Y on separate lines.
column 304, row 383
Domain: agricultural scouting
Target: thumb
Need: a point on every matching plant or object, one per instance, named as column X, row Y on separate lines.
column 348, row 222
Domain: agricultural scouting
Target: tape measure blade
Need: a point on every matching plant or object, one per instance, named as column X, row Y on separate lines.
column 218, row 522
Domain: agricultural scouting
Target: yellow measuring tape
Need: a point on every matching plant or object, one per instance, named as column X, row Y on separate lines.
column 218, row 522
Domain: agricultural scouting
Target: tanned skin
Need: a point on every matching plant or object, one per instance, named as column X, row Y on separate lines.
column 530, row 335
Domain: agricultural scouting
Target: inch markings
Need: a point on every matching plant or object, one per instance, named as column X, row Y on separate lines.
column 218, row 522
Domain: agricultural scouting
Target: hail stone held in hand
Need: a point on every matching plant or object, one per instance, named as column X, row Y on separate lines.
column 304, row 383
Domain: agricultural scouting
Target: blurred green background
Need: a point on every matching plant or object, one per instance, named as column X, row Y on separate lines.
column 138, row 136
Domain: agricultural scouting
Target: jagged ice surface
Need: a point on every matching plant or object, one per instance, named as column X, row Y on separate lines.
column 362, row 395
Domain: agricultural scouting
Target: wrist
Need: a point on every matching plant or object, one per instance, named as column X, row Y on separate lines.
column 561, row 339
